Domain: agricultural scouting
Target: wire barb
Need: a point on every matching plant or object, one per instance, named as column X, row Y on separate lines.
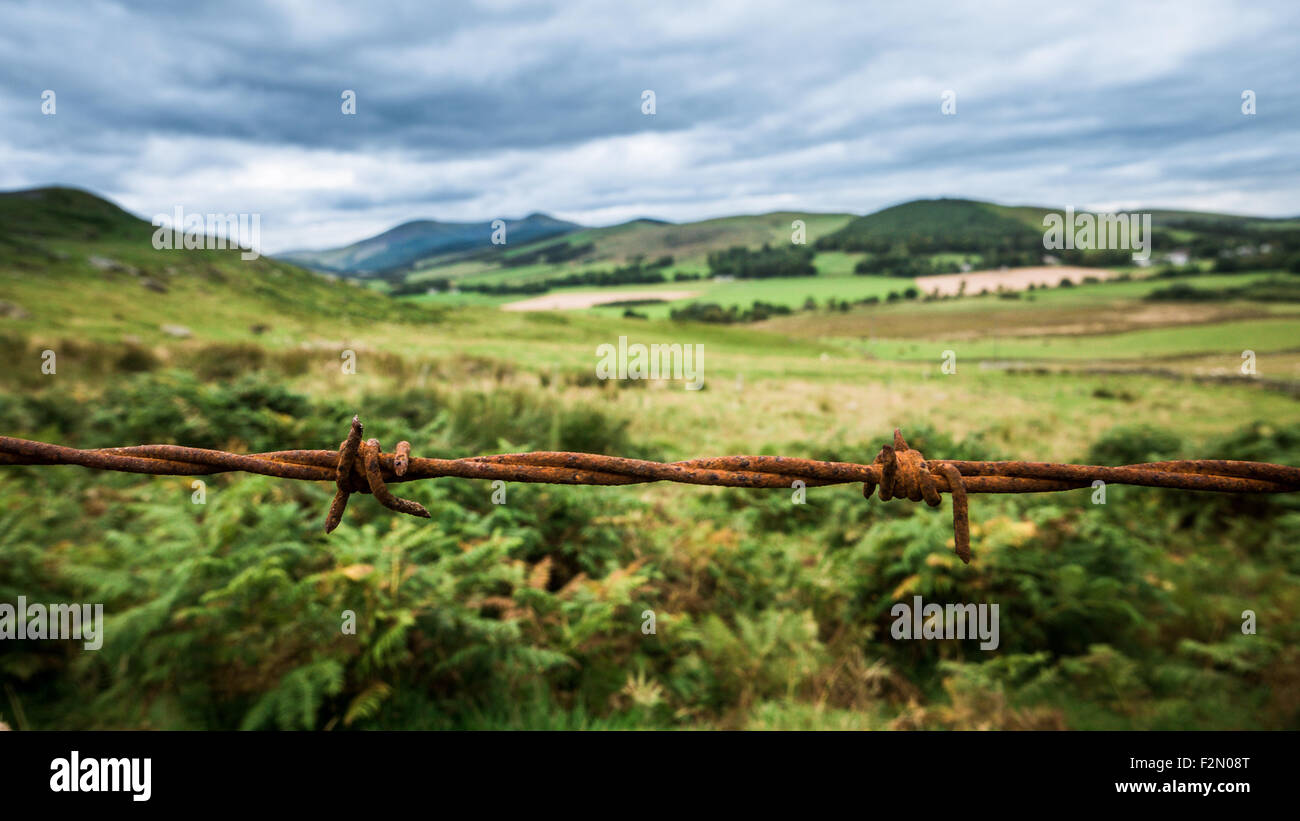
column 898, row 471
column 375, row 478
column 905, row 474
column 343, row 474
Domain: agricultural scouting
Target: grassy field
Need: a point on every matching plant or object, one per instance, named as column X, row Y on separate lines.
column 528, row 614
column 276, row 308
column 1228, row 339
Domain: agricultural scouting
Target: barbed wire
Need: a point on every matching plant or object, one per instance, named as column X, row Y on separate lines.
column 898, row 471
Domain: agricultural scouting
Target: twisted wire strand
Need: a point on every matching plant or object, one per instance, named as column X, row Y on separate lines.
column 898, row 471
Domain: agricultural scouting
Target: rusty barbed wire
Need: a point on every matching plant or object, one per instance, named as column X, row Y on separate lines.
column 900, row 472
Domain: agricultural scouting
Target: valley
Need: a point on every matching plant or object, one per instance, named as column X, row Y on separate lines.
column 203, row 348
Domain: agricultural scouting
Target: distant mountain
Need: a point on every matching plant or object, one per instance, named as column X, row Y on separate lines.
column 34, row 222
column 688, row 243
column 402, row 248
column 651, row 238
column 910, row 239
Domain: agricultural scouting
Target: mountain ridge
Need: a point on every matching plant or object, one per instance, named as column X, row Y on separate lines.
column 424, row 246
column 405, row 245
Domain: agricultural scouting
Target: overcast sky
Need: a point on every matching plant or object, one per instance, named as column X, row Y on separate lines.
column 498, row 109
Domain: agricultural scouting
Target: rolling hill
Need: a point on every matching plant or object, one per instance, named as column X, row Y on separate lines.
column 936, row 233
column 981, row 232
column 60, row 241
column 606, row 247
column 939, row 225
column 75, row 265
column 399, row 249
column 66, row 213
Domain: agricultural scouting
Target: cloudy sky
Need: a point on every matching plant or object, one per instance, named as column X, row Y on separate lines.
column 473, row 111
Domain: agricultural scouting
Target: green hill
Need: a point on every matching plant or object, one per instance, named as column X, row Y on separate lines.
column 72, row 263
column 937, row 225
column 65, row 213
column 1002, row 235
column 970, row 225
column 650, row 238
column 687, row 243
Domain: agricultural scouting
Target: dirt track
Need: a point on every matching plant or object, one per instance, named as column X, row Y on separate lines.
column 1015, row 279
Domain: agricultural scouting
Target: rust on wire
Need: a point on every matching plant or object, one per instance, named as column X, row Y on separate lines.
column 898, row 471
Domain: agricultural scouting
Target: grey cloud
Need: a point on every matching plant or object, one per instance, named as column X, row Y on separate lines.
column 461, row 107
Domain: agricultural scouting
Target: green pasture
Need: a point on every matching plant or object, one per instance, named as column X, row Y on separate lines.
column 528, row 614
